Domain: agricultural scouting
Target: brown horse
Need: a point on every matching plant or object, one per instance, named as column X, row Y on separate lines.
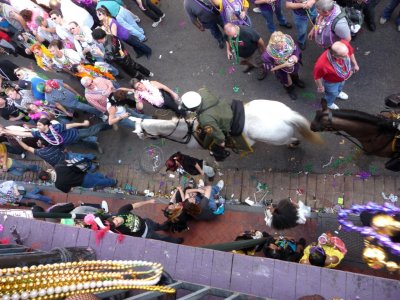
column 375, row 134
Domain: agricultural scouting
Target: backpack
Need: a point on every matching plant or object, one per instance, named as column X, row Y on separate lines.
column 83, row 164
column 353, row 16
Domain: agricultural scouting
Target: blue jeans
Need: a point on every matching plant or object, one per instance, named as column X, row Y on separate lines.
column 139, row 47
column 125, row 18
column 214, row 29
column 18, row 168
column 92, row 180
column 332, row 90
column 211, row 201
column 129, row 123
column 35, row 195
column 387, row 12
column 301, row 23
column 88, row 135
column 269, row 16
column 83, row 107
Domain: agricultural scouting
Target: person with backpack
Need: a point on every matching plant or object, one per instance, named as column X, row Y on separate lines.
column 331, row 24
column 73, row 173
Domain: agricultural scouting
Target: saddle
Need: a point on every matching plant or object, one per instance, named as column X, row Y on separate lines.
column 238, row 119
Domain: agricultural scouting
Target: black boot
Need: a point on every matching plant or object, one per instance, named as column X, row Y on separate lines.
column 291, row 92
column 296, row 80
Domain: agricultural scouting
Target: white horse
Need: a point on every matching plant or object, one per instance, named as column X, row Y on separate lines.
column 266, row 121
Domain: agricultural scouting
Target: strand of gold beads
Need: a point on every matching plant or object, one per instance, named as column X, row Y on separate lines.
column 58, row 280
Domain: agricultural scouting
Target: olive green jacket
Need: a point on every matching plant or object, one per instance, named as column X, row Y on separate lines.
column 215, row 117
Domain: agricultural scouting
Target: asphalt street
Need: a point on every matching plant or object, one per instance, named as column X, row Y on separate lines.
column 186, row 59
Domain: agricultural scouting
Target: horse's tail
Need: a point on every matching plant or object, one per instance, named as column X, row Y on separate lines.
column 303, row 127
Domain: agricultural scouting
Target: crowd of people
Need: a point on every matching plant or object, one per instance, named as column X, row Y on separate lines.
column 91, row 42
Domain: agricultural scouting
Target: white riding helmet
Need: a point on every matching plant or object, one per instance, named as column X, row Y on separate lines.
column 191, row 100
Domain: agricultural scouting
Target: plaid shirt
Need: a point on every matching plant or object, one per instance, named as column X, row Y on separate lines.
column 97, row 96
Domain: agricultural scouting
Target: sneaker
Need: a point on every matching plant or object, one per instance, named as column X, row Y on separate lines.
column 333, row 106
column 221, row 44
column 382, row 20
column 180, row 240
column 220, row 184
column 155, row 24
column 23, row 155
column 104, row 206
column 163, row 16
column 104, row 118
column 302, row 46
column 343, row 96
column 151, row 74
column 220, row 210
column 136, row 18
column 257, row 10
column 201, row 183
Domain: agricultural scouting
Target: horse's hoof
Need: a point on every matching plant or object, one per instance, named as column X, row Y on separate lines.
column 294, row 145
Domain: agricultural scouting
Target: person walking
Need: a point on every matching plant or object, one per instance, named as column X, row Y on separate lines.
column 204, row 16
column 388, row 11
column 332, row 69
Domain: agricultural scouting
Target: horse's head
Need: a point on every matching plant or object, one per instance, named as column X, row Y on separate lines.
column 323, row 118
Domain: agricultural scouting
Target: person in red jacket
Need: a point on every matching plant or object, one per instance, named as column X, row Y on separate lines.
column 332, row 69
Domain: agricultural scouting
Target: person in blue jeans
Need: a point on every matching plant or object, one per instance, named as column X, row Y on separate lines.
column 124, row 17
column 118, row 114
column 18, row 168
column 303, row 12
column 387, row 12
column 61, row 95
column 65, row 177
column 268, row 8
column 210, row 192
column 10, row 192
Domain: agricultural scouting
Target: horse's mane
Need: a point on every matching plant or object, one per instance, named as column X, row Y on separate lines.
column 382, row 123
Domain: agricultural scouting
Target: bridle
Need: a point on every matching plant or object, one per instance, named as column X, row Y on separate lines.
column 186, row 138
column 348, row 137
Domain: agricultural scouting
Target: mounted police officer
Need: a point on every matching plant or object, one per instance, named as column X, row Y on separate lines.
column 214, row 117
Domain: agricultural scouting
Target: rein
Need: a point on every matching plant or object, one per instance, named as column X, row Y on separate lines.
column 186, row 138
column 349, row 137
